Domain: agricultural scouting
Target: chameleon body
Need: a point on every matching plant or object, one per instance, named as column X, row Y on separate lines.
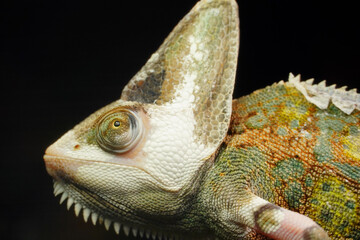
column 294, row 154
column 176, row 158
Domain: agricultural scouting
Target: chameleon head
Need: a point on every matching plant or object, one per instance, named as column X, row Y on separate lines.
column 139, row 156
column 128, row 156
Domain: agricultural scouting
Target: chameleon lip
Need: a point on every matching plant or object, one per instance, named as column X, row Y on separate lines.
column 55, row 163
column 49, row 158
column 131, row 158
column 54, row 166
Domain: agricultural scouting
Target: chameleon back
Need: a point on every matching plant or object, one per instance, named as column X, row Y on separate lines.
column 292, row 153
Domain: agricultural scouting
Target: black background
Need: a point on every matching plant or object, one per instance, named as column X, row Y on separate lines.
column 62, row 60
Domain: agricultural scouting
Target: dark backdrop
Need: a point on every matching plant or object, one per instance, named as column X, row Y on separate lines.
column 62, row 60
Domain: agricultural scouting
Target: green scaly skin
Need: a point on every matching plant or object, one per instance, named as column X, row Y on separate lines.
column 175, row 157
column 293, row 154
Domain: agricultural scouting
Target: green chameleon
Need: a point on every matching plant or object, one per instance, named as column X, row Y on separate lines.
column 176, row 158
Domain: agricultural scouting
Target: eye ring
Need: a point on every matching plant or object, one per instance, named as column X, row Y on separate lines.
column 119, row 131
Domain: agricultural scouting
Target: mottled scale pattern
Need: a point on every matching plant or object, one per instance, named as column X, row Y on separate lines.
column 288, row 151
column 211, row 167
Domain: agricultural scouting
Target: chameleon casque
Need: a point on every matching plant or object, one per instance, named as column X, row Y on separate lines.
column 176, row 158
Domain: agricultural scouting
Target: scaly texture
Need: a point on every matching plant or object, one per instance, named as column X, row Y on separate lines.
column 175, row 157
column 288, row 151
column 198, row 60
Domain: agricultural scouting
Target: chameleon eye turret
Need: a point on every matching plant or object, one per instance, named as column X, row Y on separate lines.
column 119, row 131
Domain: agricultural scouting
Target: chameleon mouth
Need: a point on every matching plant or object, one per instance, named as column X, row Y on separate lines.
column 126, row 228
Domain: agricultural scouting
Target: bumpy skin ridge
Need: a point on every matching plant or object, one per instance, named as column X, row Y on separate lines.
column 286, row 150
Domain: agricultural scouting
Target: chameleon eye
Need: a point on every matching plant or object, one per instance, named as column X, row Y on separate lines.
column 119, row 131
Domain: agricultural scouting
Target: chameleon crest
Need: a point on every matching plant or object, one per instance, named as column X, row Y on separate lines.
column 176, row 158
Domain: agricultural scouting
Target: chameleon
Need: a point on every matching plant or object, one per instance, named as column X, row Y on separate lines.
column 177, row 158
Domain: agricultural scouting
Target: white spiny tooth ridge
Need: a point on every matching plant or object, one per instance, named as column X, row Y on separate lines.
column 343, row 88
column 353, row 91
column 107, row 223
column 101, row 219
column 310, row 81
column 333, row 87
column 58, row 188
column 77, row 209
column 322, row 84
column 117, row 227
column 86, row 214
column 134, row 231
column 70, row 202
column 278, row 83
column 150, row 234
column 94, row 218
column 63, row 197
column 321, row 95
column 147, row 233
column 126, row 230
column 141, row 232
column 153, row 235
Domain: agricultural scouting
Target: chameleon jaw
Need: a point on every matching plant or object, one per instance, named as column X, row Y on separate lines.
column 127, row 228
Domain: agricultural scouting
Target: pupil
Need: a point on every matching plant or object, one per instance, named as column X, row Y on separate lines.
column 116, row 124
